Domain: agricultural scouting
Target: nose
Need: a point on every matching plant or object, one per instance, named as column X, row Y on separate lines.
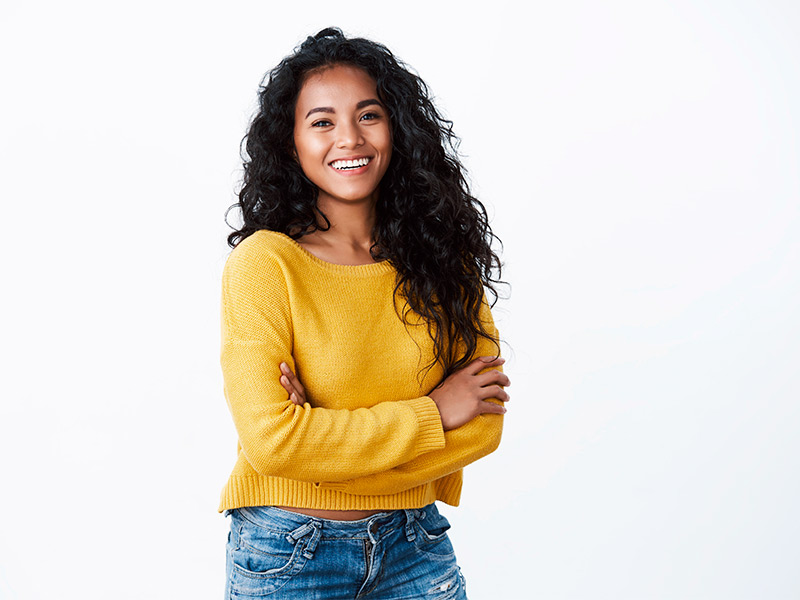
column 349, row 135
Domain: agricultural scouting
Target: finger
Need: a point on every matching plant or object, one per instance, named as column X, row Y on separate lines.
column 294, row 396
column 491, row 407
column 295, row 381
column 290, row 384
column 287, row 385
column 297, row 396
column 493, row 376
column 494, row 391
column 483, row 362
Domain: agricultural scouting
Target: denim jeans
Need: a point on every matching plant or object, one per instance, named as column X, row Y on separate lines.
column 399, row 554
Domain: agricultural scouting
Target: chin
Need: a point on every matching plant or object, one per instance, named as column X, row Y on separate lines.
column 352, row 196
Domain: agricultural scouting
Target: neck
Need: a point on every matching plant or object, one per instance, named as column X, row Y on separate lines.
column 351, row 224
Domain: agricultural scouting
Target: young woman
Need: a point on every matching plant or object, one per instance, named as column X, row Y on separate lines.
column 360, row 359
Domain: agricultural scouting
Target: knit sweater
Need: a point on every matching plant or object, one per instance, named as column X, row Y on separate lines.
column 368, row 436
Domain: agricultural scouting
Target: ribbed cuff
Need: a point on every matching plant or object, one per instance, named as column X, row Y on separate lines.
column 431, row 432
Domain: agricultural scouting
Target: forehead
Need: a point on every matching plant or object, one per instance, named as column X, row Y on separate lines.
column 341, row 85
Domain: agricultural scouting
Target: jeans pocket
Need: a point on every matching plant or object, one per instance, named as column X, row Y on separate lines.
column 432, row 535
column 262, row 561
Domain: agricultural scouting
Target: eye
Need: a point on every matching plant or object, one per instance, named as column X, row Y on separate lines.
column 321, row 123
column 370, row 116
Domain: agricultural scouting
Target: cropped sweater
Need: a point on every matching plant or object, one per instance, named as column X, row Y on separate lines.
column 368, row 436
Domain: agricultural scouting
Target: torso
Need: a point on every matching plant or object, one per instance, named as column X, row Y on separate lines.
column 353, row 257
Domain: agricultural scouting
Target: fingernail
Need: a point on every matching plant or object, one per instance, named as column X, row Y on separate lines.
column 284, row 379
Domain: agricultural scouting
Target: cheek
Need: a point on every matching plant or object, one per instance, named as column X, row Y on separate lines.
column 387, row 136
column 389, row 152
column 389, row 147
column 308, row 152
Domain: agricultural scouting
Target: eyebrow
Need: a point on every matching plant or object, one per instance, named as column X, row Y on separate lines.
column 329, row 109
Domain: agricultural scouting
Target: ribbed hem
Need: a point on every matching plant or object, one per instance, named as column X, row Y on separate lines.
column 448, row 489
column 275, row 491
column 431, row 433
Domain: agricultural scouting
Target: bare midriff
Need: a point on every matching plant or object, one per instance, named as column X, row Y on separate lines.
column 336, row 515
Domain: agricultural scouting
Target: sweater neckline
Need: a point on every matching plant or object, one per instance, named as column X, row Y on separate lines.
column 383, row 266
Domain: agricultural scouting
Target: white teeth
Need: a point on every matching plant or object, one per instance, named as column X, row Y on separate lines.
column 350, row 164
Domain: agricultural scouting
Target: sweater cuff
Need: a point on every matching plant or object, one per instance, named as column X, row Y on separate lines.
column 431, row 433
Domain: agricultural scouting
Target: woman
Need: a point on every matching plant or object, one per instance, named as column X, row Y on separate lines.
column 360, row 359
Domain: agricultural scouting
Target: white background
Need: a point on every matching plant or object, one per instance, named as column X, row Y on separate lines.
column 640, row 161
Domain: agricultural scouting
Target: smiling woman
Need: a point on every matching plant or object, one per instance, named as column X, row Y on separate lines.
column 342, row 141
column 359, row 354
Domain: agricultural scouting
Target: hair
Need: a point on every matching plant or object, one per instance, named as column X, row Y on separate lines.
column 428, row 225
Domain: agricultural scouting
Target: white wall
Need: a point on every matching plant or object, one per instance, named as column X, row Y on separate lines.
column 640, row 160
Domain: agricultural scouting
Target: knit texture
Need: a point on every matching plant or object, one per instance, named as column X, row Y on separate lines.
column 368, row 436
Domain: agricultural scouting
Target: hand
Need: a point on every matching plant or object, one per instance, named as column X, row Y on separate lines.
column 291, row 384
column 462, row 396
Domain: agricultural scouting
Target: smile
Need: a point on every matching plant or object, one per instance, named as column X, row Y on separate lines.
column 345, row 165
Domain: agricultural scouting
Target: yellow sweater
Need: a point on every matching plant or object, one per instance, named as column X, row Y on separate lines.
column 368, row 436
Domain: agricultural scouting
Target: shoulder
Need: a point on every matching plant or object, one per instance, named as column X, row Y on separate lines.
column 263, row 244
column 260, row 260
column 262, row 250
column 254, row 287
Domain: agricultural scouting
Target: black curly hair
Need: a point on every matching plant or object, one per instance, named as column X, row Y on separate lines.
column 434, row 232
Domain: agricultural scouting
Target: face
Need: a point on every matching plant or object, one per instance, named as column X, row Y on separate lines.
column 342, row 137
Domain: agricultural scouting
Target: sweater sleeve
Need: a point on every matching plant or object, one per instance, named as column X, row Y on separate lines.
column 304, row 443
column 463, row 445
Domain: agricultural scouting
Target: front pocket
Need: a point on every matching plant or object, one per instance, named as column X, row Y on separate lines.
column 263, row 561
column 266, row 557
column 432, row 536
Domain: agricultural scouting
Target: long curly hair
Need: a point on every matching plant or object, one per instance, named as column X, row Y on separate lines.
column 434, row 232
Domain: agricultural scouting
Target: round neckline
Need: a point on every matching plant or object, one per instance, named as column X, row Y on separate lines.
column 383, row 266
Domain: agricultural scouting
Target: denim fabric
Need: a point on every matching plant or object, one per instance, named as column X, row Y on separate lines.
column 394, row 555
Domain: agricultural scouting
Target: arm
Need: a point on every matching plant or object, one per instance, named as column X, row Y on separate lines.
column 464, row 444
column 278, row 437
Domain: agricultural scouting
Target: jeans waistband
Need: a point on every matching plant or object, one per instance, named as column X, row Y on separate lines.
column 277, row 519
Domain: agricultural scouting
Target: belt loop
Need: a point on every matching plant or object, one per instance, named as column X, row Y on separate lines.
column 295, row 535
column 410, row 517
column 312, row 527
column 308, row 552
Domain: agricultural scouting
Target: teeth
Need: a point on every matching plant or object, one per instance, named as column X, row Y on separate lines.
column 349, row 164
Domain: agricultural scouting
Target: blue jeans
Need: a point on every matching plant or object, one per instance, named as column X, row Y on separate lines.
column 399, row 554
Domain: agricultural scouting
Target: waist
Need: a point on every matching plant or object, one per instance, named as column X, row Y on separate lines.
column 278, row 519
column 336, row 515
